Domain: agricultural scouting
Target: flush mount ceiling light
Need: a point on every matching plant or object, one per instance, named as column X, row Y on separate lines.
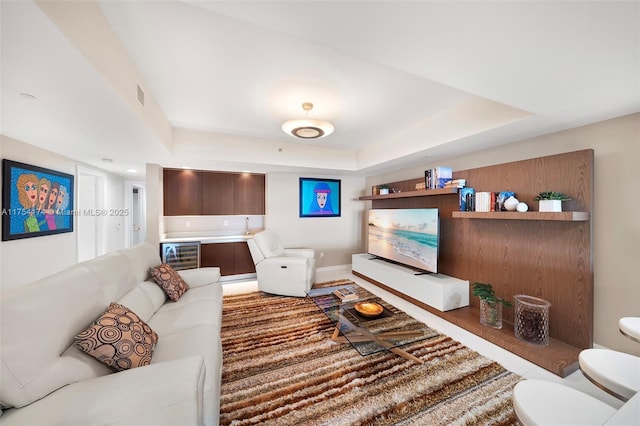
column 307, row 128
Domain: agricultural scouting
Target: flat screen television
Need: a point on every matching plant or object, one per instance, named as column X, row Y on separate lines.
column 405, row 236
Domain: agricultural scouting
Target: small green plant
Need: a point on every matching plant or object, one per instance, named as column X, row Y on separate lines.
column 383, row 186
column 551, row 195
column 486, row 292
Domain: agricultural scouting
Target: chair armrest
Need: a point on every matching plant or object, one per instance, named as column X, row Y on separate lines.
column 302, row 252
column 201, row 276
column 166, row 393
column 285, row 261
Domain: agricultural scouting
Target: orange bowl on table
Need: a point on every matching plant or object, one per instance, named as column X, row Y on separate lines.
column 369, row 309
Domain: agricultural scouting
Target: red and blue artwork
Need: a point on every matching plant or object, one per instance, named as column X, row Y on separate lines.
column 319, row 197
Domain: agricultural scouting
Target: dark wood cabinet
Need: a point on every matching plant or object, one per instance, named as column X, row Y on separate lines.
column 191, row 192
column 248, row 195
column 220, row 255
column 218, row 193
column 232, row 258
column 243, row 260
column 182, row 190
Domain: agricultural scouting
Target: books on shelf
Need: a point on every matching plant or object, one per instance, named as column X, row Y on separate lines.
column 456, row 183
column 437, row 177
column 484, row 201
column 345, row 294
column 467, row 199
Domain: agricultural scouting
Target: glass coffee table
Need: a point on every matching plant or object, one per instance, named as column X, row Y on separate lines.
column 388, row 331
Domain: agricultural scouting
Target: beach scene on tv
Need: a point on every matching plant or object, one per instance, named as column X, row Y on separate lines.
column 406, row 236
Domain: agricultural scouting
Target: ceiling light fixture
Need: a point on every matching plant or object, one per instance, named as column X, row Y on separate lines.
column 307, row 128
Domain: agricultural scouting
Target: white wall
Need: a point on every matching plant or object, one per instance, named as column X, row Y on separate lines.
column 616, row 227
column 29, row 259
column 337, row 237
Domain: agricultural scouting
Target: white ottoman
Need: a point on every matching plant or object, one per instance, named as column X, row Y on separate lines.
column 537, row 402
column 617, row 373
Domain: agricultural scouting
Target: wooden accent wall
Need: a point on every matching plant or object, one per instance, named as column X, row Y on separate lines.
column 542, row 258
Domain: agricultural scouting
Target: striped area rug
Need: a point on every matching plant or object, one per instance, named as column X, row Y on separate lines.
column 281, row 368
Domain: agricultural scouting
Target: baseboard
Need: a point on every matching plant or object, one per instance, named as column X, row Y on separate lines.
column 334, row 268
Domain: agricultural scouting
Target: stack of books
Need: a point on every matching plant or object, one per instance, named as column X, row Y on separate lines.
column 456, row 183
column 485, row 201
column 345, row 295
column 437, row 177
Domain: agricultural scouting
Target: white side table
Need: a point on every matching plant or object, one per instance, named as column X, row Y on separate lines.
column 630, row 327
column 617, row 373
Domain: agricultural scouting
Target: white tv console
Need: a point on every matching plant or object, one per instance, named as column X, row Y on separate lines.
column 436, row 290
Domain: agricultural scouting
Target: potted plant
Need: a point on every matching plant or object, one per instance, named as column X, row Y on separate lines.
column 384, row 189
column 551, row 201
column 490, row 305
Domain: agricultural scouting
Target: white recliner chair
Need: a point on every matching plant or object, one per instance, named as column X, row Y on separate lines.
column 287, row 272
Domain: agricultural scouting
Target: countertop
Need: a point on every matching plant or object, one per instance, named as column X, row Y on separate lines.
column 208, row 237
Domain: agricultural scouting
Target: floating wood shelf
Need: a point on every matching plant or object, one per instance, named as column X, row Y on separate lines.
column 558, row 216
column 410, row 194
column 558, row 357
column 548, row 255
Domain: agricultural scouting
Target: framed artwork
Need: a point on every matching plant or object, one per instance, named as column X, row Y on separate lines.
column 35, row 201
column 319, row 197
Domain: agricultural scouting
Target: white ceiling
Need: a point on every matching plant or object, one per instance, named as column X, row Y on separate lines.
column 404, row 83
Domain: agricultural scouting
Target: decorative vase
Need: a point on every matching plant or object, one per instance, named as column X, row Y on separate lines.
column 491, row 314
column 511, row 203
column 550, row 206
column 531, row 319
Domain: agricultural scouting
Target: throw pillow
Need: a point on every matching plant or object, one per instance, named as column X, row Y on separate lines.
column 169, row 280
column 118, row 339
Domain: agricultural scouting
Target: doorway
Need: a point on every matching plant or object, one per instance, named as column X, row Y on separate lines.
column 90, row 200
column 136, row 220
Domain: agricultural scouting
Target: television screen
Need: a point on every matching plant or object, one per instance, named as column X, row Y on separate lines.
column 406, row 236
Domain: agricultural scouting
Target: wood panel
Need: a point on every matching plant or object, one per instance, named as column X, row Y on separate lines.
column 243, row 260
column 221, row 255
column 249, row 194
column 542, row 258
column 217, row 193
column 182, row 192
column 558, row 357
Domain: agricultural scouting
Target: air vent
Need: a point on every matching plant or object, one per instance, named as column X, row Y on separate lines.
column 140, row 95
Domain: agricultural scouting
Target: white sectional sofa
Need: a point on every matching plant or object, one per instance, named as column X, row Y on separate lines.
column 46, row 380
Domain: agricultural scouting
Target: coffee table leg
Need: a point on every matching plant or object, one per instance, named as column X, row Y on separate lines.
column 371, row 337
column 406, row 355
column 335, row 334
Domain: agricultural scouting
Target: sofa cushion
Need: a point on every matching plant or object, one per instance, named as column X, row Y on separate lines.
column 170, row 319
column 139, row 302
column 201, row 276
column 118, row 339
column 200, row 340
column 142, row 257
column 37, row 324
column 113, row 273
column 169, row 280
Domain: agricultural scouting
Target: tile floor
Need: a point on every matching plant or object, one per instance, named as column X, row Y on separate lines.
column 510, row 361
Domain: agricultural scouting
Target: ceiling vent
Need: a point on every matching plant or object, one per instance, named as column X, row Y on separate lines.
column 140, row 95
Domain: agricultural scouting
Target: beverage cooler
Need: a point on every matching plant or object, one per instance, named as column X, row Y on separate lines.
column 184, row 255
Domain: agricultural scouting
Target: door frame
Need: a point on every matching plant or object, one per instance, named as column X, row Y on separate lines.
column 129, row 186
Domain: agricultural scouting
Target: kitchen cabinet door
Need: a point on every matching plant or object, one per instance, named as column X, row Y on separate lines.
column 182, row 192
column 243, row 259
column 218, row 193
column 248, row 194
column 221, row 255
